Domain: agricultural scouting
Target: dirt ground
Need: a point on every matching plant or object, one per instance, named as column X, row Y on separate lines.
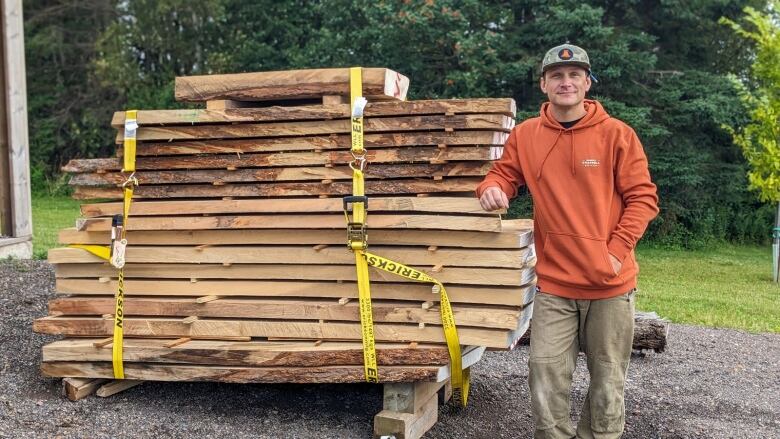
column 710, row 383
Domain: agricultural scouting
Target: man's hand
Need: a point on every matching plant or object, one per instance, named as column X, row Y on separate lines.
column 616, row 264
column 493, row 199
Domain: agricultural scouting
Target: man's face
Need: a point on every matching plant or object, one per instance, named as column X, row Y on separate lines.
column 565, row 86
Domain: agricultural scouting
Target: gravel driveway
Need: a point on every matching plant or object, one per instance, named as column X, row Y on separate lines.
column 711, row 383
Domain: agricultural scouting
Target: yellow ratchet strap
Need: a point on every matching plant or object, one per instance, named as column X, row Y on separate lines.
column 356, row 226
column 358, row 243
column 115, row 253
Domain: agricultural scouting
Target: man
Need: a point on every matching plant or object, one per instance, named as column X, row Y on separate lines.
column 593, row 198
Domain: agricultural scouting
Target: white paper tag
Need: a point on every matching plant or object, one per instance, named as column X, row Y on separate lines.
column 131, row 125
column 360, row 105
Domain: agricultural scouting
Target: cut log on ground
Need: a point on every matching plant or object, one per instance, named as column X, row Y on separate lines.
column 650, row 332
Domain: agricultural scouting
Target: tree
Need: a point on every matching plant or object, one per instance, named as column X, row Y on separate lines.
column 69, row 113
column 663, row 68
column 759, row 139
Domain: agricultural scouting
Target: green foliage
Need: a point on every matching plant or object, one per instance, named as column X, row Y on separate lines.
column 688, row 287
column 662, row 68
column 760, row 138
column 51, row 213
column 68, row 113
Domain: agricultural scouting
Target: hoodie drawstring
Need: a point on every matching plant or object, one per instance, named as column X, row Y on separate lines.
column 573, row 165
column 549, row 150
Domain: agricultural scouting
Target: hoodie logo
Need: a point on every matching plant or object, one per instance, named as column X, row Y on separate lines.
column 590, row 163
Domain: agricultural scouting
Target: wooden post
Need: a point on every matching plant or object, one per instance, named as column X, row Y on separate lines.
column 6, row 217
column 776, row 246
column 15, row 208
column 409, row 410
column 79, row 388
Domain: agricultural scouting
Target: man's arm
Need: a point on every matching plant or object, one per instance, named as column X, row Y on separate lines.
column 501, row 182
column 632, row 182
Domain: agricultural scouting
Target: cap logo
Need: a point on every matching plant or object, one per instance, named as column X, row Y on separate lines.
column 565, row 54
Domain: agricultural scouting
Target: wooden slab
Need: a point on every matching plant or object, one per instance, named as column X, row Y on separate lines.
column 499, row 277
column 283, row 374
column 302, row 255
column 116, row 386
column 378, row 84
column 288, row 308
column 275, row 286
column 505, row 106
column 254, row 353
column 79, row 388
column 300, row 222
column 459, row 205
column 488, row 295
column 234, row 374
column 505, row 239
column 337, row 158
column 168, row 327
column 315, row 173
column 492, row 122
column 450, row 186
column 323, row 143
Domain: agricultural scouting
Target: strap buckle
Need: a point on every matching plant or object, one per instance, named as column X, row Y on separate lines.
column 118, row 243
column 131, row 181
column 357, row 233
column 358, row 162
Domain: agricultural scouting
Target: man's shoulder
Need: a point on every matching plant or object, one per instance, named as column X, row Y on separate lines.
column 613, row 123
column 530, row 123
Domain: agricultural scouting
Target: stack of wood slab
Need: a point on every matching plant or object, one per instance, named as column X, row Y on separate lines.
column 237, row 267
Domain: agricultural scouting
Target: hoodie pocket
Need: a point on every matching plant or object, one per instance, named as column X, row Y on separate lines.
column 576, row 260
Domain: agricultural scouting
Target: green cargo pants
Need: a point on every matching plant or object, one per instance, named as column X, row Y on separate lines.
column 604, row 330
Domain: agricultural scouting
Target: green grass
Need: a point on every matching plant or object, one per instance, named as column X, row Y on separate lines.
column 727, row 286
column 50, row 215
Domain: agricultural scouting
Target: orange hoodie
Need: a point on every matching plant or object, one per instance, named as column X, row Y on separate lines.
column 592, row 197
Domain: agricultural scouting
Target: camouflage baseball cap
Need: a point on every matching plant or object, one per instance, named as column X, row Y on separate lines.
column 566, row 54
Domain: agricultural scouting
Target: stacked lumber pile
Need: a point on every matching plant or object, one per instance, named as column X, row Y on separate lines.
column 237, row 268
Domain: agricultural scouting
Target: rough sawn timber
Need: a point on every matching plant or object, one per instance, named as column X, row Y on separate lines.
column 506, row 239
column 450, row 205
column 303, row 255
column 378, row 84
column 98, row 281
column 172, row 327
column 252, row 353
column 322, row 143
column 492, row 122
column 448, row 186
column 505, row 106
column 238, row 161
column 287, row 308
